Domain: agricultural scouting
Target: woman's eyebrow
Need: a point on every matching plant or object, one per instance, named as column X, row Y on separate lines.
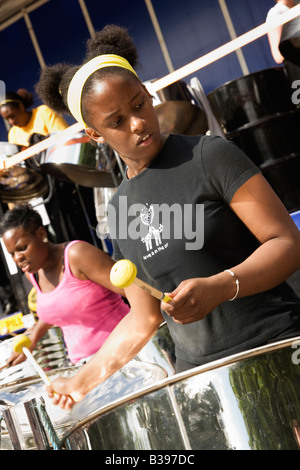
column 110, row 115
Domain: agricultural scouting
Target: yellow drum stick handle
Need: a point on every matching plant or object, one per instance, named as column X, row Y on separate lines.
column 151, row 290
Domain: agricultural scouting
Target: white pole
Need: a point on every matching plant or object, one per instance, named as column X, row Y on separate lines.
column 33, row 39
column 159, row 35
column 224, row 50
column 233, row 35
column 87, row 17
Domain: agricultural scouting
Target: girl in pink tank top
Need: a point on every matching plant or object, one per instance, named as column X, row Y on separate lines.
column 72, row 284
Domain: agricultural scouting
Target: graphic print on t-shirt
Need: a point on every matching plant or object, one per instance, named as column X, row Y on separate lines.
column 176, row 223
column 153, row 239
column 147, row 215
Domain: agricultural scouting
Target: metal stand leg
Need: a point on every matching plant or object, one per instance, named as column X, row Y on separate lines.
column 13, row 428
column 38, row 430
column 86, row 216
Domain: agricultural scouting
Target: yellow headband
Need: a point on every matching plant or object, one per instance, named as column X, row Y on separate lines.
column 81, row 76
column 4, row 102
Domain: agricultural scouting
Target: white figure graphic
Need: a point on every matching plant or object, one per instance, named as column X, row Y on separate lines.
column 147, row 215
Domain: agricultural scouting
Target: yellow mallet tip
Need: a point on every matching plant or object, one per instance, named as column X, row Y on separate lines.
column 20, row 342
column 123, row 273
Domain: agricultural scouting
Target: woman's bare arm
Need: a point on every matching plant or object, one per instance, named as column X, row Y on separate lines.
column 88, row 262
column 123, row 344
column 277, row 257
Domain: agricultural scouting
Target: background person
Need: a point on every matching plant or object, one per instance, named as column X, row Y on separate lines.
column 28, row 125
column 285, row 39
column 228, row 295
column 72, row 284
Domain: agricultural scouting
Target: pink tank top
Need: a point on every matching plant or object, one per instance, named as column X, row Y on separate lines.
column 85, row 311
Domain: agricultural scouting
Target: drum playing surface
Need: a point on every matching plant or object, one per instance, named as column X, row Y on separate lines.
column 250, row 401
column 132, row 377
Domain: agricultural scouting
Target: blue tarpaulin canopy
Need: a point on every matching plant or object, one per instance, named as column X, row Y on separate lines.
column 168, row 35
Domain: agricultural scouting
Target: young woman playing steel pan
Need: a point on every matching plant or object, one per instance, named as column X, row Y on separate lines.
column 72, row 284
column 227, row 284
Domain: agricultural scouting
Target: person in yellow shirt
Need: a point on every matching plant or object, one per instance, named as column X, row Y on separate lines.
column 25, row 122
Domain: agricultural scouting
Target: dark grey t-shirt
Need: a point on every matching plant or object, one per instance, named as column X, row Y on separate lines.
column 174, row 222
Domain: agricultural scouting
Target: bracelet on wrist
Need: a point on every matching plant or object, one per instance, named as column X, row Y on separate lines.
column 236, row 283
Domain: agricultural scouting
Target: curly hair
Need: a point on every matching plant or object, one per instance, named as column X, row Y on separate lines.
column 54, row 80
column 112, row 39
column 22, row 215
column 22, row 95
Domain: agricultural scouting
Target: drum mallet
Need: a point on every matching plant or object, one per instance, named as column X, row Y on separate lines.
column 20, row 344
column 123, row 273
column 5, row 331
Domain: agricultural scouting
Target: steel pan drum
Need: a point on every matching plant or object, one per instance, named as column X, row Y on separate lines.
column 7, row 150
column 270, row 139
column 177, row 91
column 256, row 112
column 249, row 401
column 160, row 350
column 50, row 353
column 131, row 378
column 77, row 161
column 18, row 183
column 252, row 97
column 290, row 41
column 283, row 174
column 181, row 117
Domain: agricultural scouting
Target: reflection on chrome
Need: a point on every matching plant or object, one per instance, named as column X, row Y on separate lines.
column 247, row 401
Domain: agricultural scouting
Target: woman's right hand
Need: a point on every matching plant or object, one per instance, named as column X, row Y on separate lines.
column 16, row 358
column 34, row 334
column 63, row 393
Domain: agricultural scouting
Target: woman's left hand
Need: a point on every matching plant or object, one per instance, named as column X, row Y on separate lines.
column 63, row 393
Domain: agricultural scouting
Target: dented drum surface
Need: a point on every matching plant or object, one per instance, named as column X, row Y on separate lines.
column 50, row 353
column 249, row 401
column 132, row 377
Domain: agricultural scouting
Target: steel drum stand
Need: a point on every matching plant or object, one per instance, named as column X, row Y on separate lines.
column 101, row 150
column 41, row 426
column 13, row 428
